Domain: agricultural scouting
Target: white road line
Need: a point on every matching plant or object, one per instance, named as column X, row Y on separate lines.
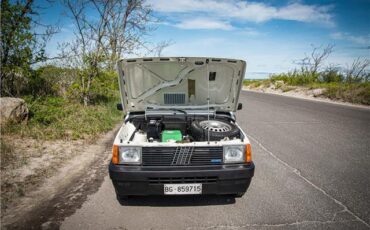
column 298, row 173
column 298, row 223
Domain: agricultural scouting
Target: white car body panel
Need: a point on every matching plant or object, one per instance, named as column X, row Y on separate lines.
column 183, row 83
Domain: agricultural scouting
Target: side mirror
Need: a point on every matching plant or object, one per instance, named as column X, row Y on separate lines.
column 240, row 106
column 119, row 107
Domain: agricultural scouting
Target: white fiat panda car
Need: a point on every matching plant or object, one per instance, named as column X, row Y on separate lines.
column 180, row 135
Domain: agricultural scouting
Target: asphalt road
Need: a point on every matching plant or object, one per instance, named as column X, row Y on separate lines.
column 312, row 172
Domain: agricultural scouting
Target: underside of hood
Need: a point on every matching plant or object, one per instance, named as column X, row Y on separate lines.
column 180, row 83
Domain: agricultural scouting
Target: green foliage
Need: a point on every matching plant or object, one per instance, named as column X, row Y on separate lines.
column 51, row 80
column 255, row 83
column 355, row 92
column 279, row 84
column 17, row 39
column 19, row 46
column 58, row 118
column 296, row 78
column 104, row 86
column 358, row 73
column 335, row 84
column 286, row 88
column 40, row 83
column 331, row 75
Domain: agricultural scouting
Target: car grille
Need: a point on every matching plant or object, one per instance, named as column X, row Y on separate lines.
column 177, row 156
column 182, row 180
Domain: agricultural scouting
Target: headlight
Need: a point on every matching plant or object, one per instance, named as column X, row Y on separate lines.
column 129, row 155
column 234, row 154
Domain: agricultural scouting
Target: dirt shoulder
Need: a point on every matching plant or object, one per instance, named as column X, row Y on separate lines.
column 301, row 92
column 55, row 180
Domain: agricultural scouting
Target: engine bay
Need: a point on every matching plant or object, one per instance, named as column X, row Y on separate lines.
column 183, row 129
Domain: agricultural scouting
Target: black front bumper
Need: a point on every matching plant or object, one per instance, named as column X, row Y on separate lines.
column 222, row 179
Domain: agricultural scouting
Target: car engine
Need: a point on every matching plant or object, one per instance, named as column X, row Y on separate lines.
column 178, row 130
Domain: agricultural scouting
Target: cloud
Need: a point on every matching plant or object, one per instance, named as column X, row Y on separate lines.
column 204, row 23
column 249, row 31
column 361, row 40
column 247, row 11
column 306, row 13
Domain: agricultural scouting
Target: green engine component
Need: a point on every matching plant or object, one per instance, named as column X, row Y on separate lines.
column 174, row 135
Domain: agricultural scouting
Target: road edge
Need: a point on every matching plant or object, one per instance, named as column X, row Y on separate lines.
column 314, row 99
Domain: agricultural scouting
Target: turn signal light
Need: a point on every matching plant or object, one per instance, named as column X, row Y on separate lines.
column 248, row 153
column 115, row 159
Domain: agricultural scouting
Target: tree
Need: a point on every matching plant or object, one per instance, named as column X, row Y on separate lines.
column 358, row 70
column 319, row 55
column 21, row 46
column 118, row 28
column 86, row 50
column 313, row 62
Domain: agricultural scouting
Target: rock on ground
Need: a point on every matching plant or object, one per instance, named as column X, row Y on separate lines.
column 13, row 109
column 318, row 92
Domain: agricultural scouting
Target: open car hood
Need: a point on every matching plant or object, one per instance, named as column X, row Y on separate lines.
column 180, row 83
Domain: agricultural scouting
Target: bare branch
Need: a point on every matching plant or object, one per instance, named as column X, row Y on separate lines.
column 358, row 71
column 319, row 55
column 314, row 61
column 120, row 29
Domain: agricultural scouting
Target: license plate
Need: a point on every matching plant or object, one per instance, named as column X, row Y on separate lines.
column 180, row 189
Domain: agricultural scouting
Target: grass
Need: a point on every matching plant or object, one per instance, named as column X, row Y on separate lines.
column 358, row 93
column 50, row 118
column 295, row 78
column 54, row 118
column 7, row 153
column 256, row 83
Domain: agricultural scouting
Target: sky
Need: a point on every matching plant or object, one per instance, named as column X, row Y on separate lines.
column 270, row 35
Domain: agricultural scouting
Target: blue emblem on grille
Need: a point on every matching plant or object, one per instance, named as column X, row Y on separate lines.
column 216, row 160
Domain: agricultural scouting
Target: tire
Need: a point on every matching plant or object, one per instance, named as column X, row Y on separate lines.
column 225, row 129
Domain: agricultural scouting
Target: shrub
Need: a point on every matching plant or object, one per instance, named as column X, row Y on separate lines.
column 105, row 86
column 296, row 78
column 331, row 75
column 59, row 118
column 354, row 93
column 256, row 83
